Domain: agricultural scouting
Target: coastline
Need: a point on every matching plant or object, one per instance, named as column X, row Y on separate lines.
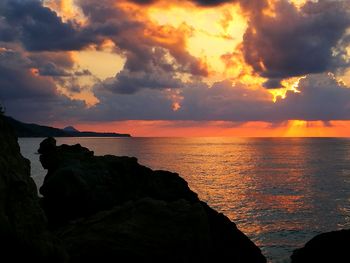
column 147, row 201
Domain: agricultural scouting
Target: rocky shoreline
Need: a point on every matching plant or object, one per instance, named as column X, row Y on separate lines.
column 112, row 209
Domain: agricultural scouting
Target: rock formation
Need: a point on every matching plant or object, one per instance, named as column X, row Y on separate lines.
column 80, row 184
column 326, row 247
column 108, row 207
column 112, row 209
column 23, row 226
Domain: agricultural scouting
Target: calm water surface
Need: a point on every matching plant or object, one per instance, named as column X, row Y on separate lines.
column 279, row 192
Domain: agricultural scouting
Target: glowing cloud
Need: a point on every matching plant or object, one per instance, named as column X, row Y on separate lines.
column 268, row 61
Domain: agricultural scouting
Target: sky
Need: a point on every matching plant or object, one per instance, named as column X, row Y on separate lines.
column 178, row 67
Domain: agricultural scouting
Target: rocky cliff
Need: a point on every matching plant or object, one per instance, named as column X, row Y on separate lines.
column 23, row 225
column 108, row 208
column 331, row 247
column 112, row 209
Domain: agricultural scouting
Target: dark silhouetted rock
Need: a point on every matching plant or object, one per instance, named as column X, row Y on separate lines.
column 149, row 230
column 332, row 247
column 112, row 209
column 23, row 227
column 80, row 184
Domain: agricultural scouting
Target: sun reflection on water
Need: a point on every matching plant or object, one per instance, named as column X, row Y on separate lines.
column 279, row 191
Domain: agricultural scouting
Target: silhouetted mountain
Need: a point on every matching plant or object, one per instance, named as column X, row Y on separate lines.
column 33, row 130
column 70, row 129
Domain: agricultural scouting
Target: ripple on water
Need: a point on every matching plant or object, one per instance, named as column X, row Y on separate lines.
column 279, row 191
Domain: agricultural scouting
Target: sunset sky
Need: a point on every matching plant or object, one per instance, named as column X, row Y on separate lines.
column 178, row 67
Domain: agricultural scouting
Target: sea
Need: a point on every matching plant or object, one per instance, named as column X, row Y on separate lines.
column 280, row 192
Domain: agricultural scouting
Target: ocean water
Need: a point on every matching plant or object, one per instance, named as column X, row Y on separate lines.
column 279, row 191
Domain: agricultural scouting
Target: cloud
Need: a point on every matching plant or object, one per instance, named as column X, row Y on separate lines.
column 17, row 80
column 146, row 104
column 161, row 79
column 128, row 82
column 284, row 41
column 29, row 84
column 294, row 42
column 39, row 28
column 224, row 101
column 321, row 98
column 157, row 71
column 155, row 54
column 29, row 96
column 210, row 3
column 45, row 110
column 62, row 60
column 246, row 4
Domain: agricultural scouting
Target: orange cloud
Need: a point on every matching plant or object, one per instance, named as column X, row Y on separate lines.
column 173, row 56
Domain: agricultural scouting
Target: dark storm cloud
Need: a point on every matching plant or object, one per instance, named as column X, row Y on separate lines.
column 60, row 59
column 143, row 105
column 211, row 2
column 295, row 43
column 144, row 2
column 84, row 72
column 199, row 2
column 292, row 43
column 50, row 69
column 44, row 110
column 246, row 4
column 28, row 84
column 56, row 64
column 15, row 83
column 29, row 96
column 39, row 28
column 221, row 102
column 273, row 83
column 127, row 82
column 153, row 71
column 251, row 6
column 17, row 80
column 321, row 98
column 6, row 31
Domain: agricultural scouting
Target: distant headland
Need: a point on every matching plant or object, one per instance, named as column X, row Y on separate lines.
column 34, row 130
